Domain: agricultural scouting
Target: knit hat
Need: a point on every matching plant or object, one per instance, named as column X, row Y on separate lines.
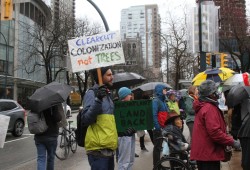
column 207, row 88
column 124, row 92
column 95, row 75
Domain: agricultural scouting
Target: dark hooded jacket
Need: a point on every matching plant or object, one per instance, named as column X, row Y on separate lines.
column 175, row 137
column 209, row 137
column 244, row 131
column 159, row 104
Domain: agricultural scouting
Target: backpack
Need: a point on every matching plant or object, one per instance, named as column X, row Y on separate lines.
column 81, row 129
column 36, row 123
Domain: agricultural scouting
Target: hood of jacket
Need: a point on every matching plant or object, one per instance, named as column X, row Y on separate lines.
column 158, row 92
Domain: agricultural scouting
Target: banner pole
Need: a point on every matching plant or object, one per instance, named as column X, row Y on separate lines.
column 99, row 74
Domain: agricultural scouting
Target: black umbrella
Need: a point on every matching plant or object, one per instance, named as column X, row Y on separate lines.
column 150, row 86
column 49, row 95
column 237, row 94
column 126, row 79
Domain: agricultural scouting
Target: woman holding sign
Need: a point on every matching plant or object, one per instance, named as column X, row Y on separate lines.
column 126, row 140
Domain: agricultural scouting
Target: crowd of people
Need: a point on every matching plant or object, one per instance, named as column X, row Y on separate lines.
column 203, row 117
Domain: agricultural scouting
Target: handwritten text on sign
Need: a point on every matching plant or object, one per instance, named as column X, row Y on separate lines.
column 136, row 114
column 96, row 51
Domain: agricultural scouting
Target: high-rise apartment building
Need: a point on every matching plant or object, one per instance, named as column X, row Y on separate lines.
column 145, row 21
column 210, row 29
column 62, row 8
column 232, row 17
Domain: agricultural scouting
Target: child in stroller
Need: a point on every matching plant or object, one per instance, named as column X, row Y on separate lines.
column 172, row 131
column 175, row 151
column 178, row 145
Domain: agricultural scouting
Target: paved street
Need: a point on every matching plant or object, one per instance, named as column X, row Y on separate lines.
column 21, row 155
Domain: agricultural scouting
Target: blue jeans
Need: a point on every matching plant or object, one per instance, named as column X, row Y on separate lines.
column 101, row 163
column 46, row 149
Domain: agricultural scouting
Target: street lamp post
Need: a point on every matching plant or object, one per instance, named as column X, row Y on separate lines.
column 6, row 64
column 106, row 28
column 166, row 54
column 101, row 15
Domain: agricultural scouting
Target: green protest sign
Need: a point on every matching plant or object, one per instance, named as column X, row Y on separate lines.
column 136, row 113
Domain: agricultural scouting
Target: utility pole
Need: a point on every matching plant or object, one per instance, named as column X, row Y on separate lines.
column 202, row 53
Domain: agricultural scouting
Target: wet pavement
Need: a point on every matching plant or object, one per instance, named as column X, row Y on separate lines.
column 78, row 161
column 234, row 163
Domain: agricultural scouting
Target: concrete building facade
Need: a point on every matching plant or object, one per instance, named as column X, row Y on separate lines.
column 210, row 28
column 144, row 20
column 16, row 83
column 16, row 80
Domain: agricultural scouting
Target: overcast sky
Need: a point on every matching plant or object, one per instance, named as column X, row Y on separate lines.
column 112, row 9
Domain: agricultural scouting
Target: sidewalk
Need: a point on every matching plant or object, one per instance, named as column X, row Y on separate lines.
column 78, row 161
column 234, row 163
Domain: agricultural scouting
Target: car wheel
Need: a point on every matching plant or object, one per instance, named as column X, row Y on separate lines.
column 18, row 128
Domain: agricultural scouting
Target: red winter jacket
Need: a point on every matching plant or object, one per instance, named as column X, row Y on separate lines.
column 209, row 136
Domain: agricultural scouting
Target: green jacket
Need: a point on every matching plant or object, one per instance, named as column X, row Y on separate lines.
column 102, row 134
column 174, row 106
column 188, row 101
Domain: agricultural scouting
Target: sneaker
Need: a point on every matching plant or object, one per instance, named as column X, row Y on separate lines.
column 144, row 149
column 136, row 155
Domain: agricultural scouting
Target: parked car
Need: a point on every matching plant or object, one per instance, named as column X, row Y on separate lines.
column 17, row 116
column 68, row 110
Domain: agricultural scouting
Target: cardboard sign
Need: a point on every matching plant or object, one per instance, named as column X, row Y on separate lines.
column 136, row 113
column 96, row 51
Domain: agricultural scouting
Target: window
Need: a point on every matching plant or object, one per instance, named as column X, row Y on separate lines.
column 27, row 9
column 22, row 8
column 32, row 12
column 4, row 106
column 1, row 66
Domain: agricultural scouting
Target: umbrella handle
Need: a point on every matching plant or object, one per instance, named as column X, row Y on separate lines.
column 99, row 73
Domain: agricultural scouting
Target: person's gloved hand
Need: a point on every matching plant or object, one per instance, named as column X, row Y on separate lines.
column 101, row 92
column 236, row 144
column 130, row 131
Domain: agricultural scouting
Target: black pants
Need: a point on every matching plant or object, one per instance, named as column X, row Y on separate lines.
column 142, row 144
column 245, row 145
column 208, row 165
column 157, row 146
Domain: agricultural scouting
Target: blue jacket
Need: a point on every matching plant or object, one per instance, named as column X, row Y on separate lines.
column 99, row 115
column 92, row 106
column 159, row 104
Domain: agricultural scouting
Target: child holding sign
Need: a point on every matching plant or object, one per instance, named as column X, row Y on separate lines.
column 126, row 140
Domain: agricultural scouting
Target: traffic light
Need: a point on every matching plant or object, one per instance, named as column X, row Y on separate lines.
column 6, row 9
column 208, row 58
column 223, row 60
column 213, row 61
